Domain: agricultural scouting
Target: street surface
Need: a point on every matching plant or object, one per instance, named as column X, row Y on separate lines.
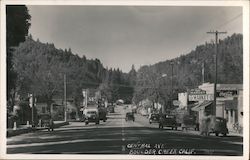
column 116, row 136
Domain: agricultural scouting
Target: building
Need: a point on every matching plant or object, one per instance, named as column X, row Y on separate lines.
column 183, row 100
column 229, row 102
column 57, row 109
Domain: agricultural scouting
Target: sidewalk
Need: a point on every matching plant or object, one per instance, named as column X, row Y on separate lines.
column 18, row 131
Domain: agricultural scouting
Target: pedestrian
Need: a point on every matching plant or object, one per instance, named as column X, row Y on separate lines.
column 51, row 125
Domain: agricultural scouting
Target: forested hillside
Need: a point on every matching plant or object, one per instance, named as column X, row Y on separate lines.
column 187, row 70
column 41, row 69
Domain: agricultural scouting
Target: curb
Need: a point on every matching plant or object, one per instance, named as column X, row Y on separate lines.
column 12, row 133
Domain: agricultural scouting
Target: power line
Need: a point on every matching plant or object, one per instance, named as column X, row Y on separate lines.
column 224, row 23
column 228, row 21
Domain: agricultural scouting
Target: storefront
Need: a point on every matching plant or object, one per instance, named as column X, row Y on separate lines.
column 229, row 102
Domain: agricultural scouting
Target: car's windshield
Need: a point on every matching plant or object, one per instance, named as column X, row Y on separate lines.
column 154, row 115
column 169, row 116
column 45, row 116
column 91, row 112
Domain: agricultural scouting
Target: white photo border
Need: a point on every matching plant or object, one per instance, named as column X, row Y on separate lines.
column 244, row 4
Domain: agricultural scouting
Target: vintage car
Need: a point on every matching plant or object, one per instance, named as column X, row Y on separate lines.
column 91, row 115
column 167, row 121
column 189, row 121
column 154, row 118
column 219, row 126
column 111, row 109
column 130, row 116
column 45, row 119
column 102, row 113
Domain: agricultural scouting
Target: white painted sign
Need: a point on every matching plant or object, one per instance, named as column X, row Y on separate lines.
column 204, row 97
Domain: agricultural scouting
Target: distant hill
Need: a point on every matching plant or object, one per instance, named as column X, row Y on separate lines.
column 187, row 69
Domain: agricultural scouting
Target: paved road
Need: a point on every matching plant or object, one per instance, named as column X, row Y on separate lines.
column 116, row 136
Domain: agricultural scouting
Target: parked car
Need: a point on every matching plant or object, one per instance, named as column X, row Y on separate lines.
column 130, row 116
column 134, row 109
column 168, row 121
column 189, row 121
column 45, row 120
column 102, row 113
column 143, row 112
column 154, row 118
column 111, row 109
column 219, row 126
column 91, row 115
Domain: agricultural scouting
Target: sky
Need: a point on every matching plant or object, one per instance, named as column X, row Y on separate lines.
column 124, row 35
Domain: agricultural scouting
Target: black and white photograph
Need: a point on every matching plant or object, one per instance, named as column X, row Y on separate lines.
column 125, row 81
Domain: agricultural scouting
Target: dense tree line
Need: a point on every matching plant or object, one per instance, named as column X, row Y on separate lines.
column 41, row 69
column 187, row 70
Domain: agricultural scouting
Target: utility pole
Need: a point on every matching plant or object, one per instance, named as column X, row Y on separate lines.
column 172, row 71
column 203, row 72
column 65, row 99
column 215, row 80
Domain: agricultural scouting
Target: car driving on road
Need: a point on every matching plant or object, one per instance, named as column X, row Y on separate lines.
column 130, row 116
column 154, row 118
column 167, row 121
column 92, row 115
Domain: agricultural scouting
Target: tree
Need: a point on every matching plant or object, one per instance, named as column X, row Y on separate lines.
column 132, row 76
column 37, row 71
column 18, row 23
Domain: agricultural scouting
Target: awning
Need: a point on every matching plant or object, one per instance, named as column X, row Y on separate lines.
column 201, row 106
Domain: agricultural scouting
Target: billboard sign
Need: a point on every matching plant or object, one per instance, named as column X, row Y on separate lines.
column 226, row 93
column 197, row 91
